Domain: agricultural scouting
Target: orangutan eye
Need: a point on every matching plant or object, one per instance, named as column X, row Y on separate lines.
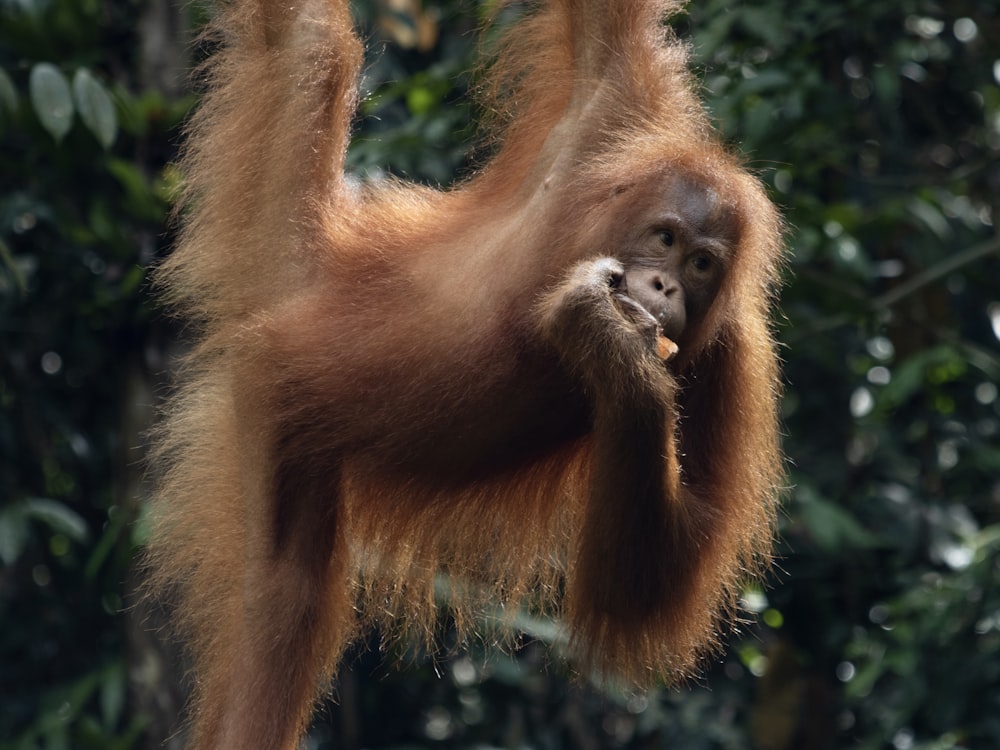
column 701, row 262
column 667, row 237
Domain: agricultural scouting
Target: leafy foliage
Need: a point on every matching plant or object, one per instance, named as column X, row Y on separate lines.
column 877, row 125
column 82, row 209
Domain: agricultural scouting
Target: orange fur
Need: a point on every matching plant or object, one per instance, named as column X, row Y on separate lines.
column 383, row 390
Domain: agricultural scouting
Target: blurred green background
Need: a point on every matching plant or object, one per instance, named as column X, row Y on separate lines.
column 876, row 126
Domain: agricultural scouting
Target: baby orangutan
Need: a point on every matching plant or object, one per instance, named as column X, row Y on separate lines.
column 555, row 383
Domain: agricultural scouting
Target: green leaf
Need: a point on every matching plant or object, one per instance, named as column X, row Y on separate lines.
column 8, row 94
column 14, row 528
column 831, row 527
column 51, row 98
column 420, row 100
column 112, row 694
column 10, row 266
column 931, row 217
column 766, row 24
column 57, row 517
column 140, row 199
column 95, row 106
column 937, row 366
column 14, row 533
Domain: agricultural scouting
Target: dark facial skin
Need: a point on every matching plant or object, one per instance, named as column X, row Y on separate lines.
column 675, row 268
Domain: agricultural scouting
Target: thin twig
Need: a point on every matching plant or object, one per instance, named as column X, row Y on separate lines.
column 930, row 275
